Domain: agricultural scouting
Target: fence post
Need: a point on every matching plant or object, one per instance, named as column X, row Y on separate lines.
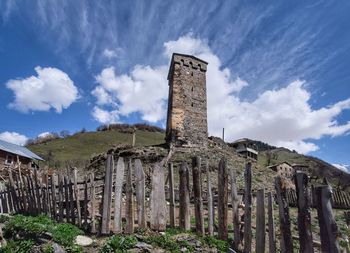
column 37, row 191
column 66, row 199
column 286, row 234
column 119, row 178
column 85, row 203
column 107, row 196
column 76, row 194
column 235, row 211
column 158, row 202
column 172, row 197
column 222, row 200
column 93, row 191
column 272, row 234
column 60, row 197
column 260, row 221
column 210, row 203
column 71, row 200
column 184, row 192
column 197, row 190
column 129, row 228
column 328, row 226
column 304, row 217
column 140, row 194
column 248, row 208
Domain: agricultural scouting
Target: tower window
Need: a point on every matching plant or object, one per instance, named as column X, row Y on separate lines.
column 192, row 104
column 192, row 89
column 192, row 73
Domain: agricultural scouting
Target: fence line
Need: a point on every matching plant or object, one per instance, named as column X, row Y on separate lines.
column 83, row 203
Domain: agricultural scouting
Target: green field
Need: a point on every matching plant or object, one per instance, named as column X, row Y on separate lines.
column 80, row 147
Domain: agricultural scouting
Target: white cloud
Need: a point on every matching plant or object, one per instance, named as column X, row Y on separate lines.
column 104, row 116
column 344, row 167
column 282, row 117
column 13, row 137
column 143, row 91
column 110, row 53
column 51, row 88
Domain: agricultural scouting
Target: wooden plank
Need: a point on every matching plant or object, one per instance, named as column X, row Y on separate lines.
column 85, row 203
column 222, row 200
column 140, row 194
column 71, row 200
column 304, row 216
column 328, row 226
column 210, row 203
column 60, row 198
column 93, row 203
column 37, row 190
column 248, row 208
column 172, row 196
column 66, row 199
column 184, row 198
column 235, row 211
column 286, row 234
column 271, row 224
column 260, row 221
column 129, row 211
column 53, row 197
column 76, row 195
column 197, row 190
column 107, row 196
column 35, row 203
column 158, row 202
column 119, row 179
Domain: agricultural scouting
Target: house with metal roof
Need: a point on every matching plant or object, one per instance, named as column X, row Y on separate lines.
column 14, row 157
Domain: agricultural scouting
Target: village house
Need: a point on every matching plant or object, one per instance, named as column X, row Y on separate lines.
column 246, row 148
column 283, row 169
column 16, row 158
column 300, row 167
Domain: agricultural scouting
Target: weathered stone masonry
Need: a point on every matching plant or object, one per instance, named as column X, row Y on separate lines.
column 187, row 105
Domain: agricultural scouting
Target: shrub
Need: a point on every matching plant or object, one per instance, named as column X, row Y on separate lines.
column 220, row 245
column 65, row 233
column 23, row 246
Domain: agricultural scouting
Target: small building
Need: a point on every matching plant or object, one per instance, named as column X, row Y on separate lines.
column 283, row 169
column 246, row 148
column 300, row 167
column 16, row 157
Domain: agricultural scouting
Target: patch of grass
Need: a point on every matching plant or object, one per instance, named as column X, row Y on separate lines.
column 220, row 245
column 65, row 233
column 119, row 244
column 22, row 246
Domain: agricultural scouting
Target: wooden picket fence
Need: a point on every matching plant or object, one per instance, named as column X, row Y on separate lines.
column 96, row 204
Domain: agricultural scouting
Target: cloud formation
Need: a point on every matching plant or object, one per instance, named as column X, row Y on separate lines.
column 14, row 138
column 281, row 117
column 51, row 88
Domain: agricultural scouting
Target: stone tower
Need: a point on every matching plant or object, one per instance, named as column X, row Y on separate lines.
column 187, row 105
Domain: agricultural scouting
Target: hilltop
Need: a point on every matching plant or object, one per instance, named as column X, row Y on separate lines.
column 80, row 148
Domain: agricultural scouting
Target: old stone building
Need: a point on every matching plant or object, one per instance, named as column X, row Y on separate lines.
column 187, row 106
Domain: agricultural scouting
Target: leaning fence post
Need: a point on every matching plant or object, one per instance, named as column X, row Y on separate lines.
column 140, row 194
column 158, row 202
column 286, row 234
column 222, row 200
column 260, row 221
column 248, row 208
column 119, row 178
column 328, row 226
column 185, row 219
column 129, row 229
column 107, row 196
column 210, row 203
column 197, row 190
column 76, row 195
column 235, row 211
column 172, row 197
column 304, row 217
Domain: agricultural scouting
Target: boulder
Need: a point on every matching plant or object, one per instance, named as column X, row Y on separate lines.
column 84, row 241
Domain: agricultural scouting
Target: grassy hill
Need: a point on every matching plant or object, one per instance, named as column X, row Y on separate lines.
column 79, row 148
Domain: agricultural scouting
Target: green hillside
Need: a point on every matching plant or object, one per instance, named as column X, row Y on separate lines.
column 79, row 148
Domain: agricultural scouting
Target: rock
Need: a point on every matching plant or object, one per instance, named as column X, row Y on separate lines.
column 57, row 248
column 144, row 247
column 84, row 241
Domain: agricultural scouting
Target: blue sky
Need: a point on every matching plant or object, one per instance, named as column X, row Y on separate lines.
column 278, row 70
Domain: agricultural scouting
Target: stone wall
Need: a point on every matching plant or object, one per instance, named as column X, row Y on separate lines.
column 187, row 108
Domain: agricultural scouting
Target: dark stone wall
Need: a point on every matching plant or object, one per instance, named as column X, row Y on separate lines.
column 187, row 106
